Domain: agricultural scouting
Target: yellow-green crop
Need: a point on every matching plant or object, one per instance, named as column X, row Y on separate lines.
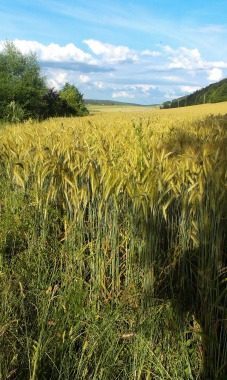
column 135, row 203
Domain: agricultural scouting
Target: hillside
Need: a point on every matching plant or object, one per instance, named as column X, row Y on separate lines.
column 103, row 102
column 214, row 93
column 109, row 103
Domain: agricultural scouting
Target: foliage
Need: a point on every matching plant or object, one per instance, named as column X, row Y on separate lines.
column 54, row 105
column 21, row 86
column 214, row 93
column 74, row 101
column 113, row 238
column 24, row 93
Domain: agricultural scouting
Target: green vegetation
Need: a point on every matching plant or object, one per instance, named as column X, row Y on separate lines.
column 214, row 93
column 24, row 93
column 21, row 86
column 113, row 248
column 75, row 105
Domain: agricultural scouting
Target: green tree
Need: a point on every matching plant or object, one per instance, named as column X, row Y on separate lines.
column 74, row 102
column 24, row 93
column 22, row 87
column 54, row 105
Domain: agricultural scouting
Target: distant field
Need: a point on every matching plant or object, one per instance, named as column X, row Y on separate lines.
column 117, row 108
column 191, row 111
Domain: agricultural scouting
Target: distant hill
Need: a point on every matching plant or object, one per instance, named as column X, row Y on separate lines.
column 214, row 93
column 114, row 103
column 109, row 103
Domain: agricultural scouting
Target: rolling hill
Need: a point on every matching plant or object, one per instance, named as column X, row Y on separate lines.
column 109, row 103
column 214, row 93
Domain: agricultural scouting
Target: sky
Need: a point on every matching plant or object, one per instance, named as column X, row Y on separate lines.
column 145, row 51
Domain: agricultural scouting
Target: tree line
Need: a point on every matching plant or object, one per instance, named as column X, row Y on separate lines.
column 25, row 94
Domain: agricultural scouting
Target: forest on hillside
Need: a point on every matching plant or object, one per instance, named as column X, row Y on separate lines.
column 214, row 93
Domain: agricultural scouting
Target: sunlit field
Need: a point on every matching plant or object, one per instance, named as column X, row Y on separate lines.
column 93, row 108
column 200, row 110
column 113, row 245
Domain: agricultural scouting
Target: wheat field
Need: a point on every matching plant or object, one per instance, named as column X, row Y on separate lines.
column 113, row 246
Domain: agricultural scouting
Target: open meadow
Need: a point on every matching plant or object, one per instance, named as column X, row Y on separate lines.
column 113, row 245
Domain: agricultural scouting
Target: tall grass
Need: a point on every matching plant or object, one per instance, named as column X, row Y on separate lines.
column 113, row 239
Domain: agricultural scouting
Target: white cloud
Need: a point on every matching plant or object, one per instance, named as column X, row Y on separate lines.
column 150, row 53
column 84, row 78
column 191, row 59
column 54, row 52
column 170, row 94
column 144, row 88
column 219, row 64
column 184, row 58
column 112, row 53
column 99, row 84
column 57, row 78
column 172, row 78
column 123, row 94
column 215, row 74
column 189, row 89
column 131, row 90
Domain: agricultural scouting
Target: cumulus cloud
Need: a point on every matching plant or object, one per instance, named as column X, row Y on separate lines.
column 215, row 74
column 219, row 64
column 84, row 78
column 54, row 52
column 57, row 78
column 144, row 88
column 99, row 84
column 123, row 94
column 67, row 57
column 132, row 91
column 183, row 58
column 189, row 89
column 190, row 59
column 111, row 53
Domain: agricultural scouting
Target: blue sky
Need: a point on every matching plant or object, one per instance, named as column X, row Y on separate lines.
column 138, row 51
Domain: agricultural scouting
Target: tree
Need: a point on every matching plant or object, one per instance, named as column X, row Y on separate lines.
column 74, row 103
column 54, row 105
column 24, row 93
column 22, row 87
